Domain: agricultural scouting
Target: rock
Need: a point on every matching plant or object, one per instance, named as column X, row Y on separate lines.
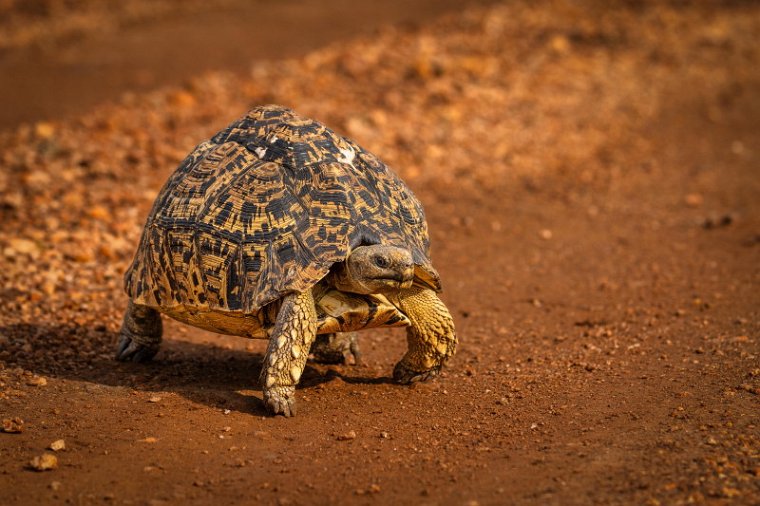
column 100, row 213
column 560, row 44
column 44, row 130
column 45, row 462
column 694, row 200
column 182, row 99
column 13, row 425
column 36, row 381
column 712, row 222
column 372, row 489
column 22, row 246
column 348, row 436
column 57, row 445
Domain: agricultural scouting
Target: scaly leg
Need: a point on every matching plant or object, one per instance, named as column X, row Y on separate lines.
column 140, row 334
column 288, row 349
column 431, row 338
column 336, row 348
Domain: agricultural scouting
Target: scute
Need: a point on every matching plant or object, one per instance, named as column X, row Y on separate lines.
column 265, row 208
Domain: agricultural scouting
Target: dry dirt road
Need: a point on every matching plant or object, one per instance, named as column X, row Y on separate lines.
column 590, row 176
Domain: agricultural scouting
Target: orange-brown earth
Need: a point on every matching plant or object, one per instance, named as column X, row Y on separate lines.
column 590, row 176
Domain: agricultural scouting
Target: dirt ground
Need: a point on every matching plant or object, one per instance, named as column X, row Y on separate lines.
column 590, row 177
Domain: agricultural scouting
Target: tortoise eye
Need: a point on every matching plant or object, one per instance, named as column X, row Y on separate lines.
column 381, row 262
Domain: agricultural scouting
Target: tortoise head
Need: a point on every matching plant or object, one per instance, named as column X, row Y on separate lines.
column 376, row 269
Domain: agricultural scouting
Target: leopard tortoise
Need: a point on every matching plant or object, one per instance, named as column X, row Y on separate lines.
column 278, row 228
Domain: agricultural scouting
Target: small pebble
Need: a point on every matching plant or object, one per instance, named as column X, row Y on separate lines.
column 57, row 445
column 23, row 246
column 13, row 425
column 348, row 436
column 694, row 200
column 36, row 381
column 45, row 462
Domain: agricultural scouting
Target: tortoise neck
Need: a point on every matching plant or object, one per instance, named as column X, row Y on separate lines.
column 343, row 279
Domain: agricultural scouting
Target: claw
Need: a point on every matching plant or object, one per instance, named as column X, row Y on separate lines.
column 281, row 402
column 124, row 343
column 144, row 355
column 130, row 350
column 404, row 375
column 354, row 350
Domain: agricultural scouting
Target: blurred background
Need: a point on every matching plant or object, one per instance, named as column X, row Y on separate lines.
column 60, row 56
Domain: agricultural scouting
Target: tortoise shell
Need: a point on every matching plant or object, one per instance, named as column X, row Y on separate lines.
column 265, row 208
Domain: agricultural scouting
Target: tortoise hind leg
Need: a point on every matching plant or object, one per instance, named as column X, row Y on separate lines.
column 140, row 335
column 338, row 348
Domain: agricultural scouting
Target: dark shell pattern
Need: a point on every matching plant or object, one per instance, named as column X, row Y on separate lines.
column 265, row 208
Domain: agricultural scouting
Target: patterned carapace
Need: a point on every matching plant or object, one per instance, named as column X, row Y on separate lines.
column 265, row 208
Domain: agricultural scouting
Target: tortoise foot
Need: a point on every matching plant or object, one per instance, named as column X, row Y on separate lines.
column 340, row 348
column 140, row 336
column 281, row 401
column 130, row 350
column 405, row 375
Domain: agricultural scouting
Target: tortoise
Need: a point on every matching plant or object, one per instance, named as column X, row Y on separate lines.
column 278, row 228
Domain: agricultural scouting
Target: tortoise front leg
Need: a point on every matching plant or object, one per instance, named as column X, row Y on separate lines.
column 288, row 349
column 431, row 338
